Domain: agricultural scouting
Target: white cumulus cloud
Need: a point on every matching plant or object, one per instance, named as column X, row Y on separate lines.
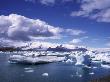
column 94, row 9
column 17, row 27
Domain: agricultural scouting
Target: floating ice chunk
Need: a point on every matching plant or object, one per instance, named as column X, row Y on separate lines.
column 69, row 61
column 83, row 60
column 11, row 62
column 34, row 60
column 28, row 68
column 45, row 74
column 94, row 67
column 87, row 66
column 91, row 73
column 80, row 75
column 28, row 71
column 106, row 60
column 105, row 66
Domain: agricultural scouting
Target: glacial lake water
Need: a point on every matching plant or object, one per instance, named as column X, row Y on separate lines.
column 52, row 72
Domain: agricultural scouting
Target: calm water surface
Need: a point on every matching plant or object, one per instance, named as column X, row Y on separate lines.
column 57, row 72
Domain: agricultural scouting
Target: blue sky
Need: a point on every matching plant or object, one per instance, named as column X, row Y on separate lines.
column 74, row 22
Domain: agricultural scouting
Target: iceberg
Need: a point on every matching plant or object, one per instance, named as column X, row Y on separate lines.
column 35, row 59
column 69, row 61
column 83, row 59
column 92, row 73
column 87, row 59
column 105, row 66
column 45, row 74
column 29, row 71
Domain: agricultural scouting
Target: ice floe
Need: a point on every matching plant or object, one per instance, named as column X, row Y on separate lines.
column 105, row 66
column 45, row 74
column 35, row 59
column 28, row 71
column 92, row 73
column 69, row 61
column 28, row 68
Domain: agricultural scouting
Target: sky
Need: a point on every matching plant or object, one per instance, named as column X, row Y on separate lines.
column 54, row 22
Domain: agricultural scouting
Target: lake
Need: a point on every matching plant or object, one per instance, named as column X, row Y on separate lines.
column 52, row 72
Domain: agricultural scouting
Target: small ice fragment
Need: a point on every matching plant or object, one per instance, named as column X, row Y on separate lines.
column 29, row 71
column 87, row 66
column 45, row 74
column 105, row 66
column 28, row 68
column 80, row 75
column 91, row 73
column 69, row 61
column 94, row 67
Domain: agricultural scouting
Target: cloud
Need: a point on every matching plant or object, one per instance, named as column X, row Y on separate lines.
column 67, row 0
column 17, row 27
column 44, row 2
column 33, row 1
column 44, row 38
column 53, row 2
column 47, row 2
column 78, row 40
column 75, row 41
column 103, row 16
column 108, row 44
column 11, row 43
column 74, row 32
column 94, row 9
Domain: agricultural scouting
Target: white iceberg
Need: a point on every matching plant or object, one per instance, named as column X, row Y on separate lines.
column 28, row 68
column 69, row 61
column 35, row 59
column 105, row 66
column 29, row 71
column 45, row 74
column 83, row 59
column 92, row 73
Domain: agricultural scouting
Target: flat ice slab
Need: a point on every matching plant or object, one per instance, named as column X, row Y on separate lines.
column 35, row 60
